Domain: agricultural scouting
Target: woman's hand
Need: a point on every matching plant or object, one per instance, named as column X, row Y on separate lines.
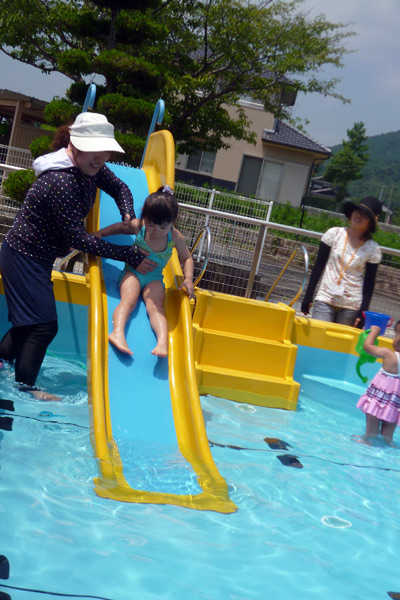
column 359, row 321
column 147, row 265
column 306, row 307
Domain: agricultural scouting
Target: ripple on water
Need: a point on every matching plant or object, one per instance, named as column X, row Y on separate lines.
column 284, row 541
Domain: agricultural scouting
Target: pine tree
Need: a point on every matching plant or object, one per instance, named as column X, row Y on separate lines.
column 348, row 162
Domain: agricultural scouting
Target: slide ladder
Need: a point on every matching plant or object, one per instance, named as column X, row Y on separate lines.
column 243, row 350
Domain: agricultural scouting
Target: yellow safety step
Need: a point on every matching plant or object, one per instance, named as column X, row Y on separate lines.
column 243, row 350
column 244, row 353
column 240, row 386
column 240, row 316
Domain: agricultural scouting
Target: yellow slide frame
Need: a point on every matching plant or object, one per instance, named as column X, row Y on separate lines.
column 188, row 418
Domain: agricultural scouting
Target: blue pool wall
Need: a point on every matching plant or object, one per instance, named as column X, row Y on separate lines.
column 325, row 373
column 316, row 370
column 71, row 340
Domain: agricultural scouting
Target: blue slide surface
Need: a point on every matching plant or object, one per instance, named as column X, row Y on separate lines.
column 139, row 394
column 148, row 427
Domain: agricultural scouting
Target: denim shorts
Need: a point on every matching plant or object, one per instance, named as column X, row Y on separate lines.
column 334, row 314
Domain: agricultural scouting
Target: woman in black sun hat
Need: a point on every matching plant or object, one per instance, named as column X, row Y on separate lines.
column 348, row 260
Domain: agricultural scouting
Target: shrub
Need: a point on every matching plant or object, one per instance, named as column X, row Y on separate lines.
column 18, row 183
column 41, row 145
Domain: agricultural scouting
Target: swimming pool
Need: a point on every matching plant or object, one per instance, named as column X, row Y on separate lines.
column 329, row 528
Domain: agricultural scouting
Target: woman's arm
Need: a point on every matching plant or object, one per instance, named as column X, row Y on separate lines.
column 127, row 228
column 320, row 263
column 367, row 291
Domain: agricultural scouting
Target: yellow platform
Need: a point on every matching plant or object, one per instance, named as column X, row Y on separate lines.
column 243, row 350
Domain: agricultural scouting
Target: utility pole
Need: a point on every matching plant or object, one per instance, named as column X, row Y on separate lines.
column 387, row 220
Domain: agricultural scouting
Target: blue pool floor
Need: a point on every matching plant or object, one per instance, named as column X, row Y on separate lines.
column 328, row 527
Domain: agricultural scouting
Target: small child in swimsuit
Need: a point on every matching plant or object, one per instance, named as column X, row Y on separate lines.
column 381, row 401
column 154, row 232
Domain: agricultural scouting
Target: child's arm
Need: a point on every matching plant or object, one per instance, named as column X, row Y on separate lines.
column 370, row 347
column 127, row 228
column 187, row 261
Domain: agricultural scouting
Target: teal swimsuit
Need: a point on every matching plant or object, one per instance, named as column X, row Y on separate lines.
column 161, row 258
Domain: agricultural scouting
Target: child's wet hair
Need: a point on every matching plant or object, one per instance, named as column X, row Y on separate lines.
column 396, row 326
column 160, row 207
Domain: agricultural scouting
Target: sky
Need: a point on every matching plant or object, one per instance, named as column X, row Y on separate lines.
column 370, row 77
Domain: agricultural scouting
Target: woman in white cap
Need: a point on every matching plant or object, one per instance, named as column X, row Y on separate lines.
column 348, row 260
column 50, row 223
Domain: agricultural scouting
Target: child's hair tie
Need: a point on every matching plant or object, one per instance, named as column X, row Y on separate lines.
column 167, row 190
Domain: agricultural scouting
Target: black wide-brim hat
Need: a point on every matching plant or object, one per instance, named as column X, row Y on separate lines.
column 370, row 205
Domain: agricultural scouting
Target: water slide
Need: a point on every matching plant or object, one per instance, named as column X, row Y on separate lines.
column 148, row 429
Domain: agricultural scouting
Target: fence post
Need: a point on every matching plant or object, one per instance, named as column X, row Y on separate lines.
column 210, row 205
column 265, row 234
column 257, row 253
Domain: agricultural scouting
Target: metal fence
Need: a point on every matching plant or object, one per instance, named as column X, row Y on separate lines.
column 11, row 159
column 248, row 250
column 14, row 157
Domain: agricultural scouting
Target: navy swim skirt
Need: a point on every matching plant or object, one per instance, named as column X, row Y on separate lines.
column 28, row 288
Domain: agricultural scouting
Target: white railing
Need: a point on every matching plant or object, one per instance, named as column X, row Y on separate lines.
column 247, row 251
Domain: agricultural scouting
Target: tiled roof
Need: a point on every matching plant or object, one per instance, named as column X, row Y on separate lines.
column 287, row 135
column 35, row 103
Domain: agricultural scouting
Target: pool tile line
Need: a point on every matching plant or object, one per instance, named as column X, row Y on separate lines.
column 4, row 596
column 6, row 423
column 4, row 567
column 5, row 574
column 6, row 405
column 333, row 462
column 288, row 460
column 40, row 419
column 277, row 444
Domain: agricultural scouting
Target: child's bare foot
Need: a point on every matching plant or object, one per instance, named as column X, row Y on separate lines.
column 119, row 342
column 161, row 350
column 41, row 395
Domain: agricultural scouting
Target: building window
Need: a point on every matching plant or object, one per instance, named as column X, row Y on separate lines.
column 201, row 161
column 260, row 178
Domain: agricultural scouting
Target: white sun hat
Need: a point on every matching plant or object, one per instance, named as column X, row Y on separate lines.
column 91, row 132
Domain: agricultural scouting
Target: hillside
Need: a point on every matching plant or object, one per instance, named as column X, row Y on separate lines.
column 382, row 170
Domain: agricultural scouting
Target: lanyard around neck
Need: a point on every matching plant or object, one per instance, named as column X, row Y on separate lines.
column 342, row 269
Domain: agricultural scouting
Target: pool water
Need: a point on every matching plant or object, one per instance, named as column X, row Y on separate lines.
column 318, row 511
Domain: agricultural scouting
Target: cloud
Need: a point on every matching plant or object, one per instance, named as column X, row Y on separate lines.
column 370, row 76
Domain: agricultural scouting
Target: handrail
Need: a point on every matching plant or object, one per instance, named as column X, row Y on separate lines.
column 157, row 119
column 67, row 258
column 207, row 231
column 306, row 262
column 90, row 98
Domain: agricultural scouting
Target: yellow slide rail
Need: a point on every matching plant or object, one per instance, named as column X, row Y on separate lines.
column 188, row 418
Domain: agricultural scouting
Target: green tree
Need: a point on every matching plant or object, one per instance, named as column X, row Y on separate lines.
column 200, row 56
column 348, row 162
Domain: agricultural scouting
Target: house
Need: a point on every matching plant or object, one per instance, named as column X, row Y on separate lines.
column 279, row 167
column 323, row 189
column 20, row 119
